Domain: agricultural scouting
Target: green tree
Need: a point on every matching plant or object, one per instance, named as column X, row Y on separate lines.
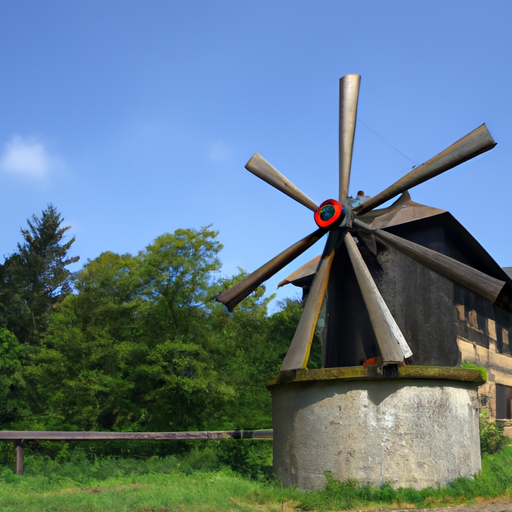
column 35, row 278
column 141, row 345
column 131, row 348
column 248, row 349
column 175, row 379
column 13, row 403
column 176, row 275
column 83, row 374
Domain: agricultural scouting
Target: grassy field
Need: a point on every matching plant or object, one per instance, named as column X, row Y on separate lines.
column 173, row 484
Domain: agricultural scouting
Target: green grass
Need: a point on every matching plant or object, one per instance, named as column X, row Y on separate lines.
column 192, row 483
column 140, row 490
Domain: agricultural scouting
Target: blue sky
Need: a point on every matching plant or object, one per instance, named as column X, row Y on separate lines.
column 137, row 118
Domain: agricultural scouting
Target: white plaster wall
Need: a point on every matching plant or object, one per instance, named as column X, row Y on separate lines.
column 414, row 433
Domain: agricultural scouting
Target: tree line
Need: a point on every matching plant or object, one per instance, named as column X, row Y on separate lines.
column 132, row 342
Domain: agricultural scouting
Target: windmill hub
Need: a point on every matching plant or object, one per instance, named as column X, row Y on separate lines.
column 330, row 214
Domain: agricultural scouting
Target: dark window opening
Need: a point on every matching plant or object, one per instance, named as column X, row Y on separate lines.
column 503, row 402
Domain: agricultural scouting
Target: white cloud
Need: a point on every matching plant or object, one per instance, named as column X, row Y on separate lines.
column 28, row 158
column 219, row 152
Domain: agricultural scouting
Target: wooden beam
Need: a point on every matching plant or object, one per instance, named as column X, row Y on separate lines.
column 44, row 435
column 20, row 451
column 483, row 284
column 392, row 344
column 474, row 143
column 298, row 353
column 349, row 95
column 265, row 171
column 234, row 295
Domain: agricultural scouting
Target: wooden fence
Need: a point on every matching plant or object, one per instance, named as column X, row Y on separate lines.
column 20, row 436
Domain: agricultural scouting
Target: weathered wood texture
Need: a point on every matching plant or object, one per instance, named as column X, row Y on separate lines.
column 349, row 95
column 234, row 295
column 477, row 281
column 421, row 302
column 392, row 344
column 20, row 436
column 261, row 168
column 474, row 143
column 19, row 449
column 375, row 373
column 43, row 435
column 298, row 353
column 348, row 335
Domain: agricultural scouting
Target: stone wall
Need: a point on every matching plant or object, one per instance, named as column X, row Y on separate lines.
column 486, row 342
column 411, row 433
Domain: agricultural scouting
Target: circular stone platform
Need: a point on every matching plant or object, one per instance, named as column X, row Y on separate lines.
column 417, row 427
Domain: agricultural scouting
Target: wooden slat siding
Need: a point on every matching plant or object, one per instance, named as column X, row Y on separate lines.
column 44, row 435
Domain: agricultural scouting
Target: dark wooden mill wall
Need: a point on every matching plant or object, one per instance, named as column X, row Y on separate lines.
column 420, row 300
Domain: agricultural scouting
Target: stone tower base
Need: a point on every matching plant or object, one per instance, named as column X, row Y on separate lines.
column 417, row 428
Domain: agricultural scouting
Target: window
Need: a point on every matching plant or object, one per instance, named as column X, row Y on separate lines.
column 503, row 402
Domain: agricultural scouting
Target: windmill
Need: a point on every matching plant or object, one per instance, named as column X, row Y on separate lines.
column 343, row 220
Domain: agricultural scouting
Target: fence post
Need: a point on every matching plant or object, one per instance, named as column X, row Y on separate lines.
column 19, row 447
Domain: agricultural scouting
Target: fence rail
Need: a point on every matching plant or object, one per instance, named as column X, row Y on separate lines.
column 20, row 436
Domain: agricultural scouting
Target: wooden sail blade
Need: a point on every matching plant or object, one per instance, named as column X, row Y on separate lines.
column 392, row 344
column 483, row 284
column 349, row 95
column 298, row 353
column 230, row 298
column 261, row 168
column 474, row 143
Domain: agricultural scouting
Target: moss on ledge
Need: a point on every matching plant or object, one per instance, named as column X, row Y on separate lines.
column 375, row 373
column 472, row 366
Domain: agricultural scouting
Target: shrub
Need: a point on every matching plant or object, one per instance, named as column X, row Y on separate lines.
column 250, row 458
column 492, row 438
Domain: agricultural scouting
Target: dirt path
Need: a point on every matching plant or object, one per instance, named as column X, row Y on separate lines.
column 501, row 506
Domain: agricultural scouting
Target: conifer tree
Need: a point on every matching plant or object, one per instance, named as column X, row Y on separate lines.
column 35, row 277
